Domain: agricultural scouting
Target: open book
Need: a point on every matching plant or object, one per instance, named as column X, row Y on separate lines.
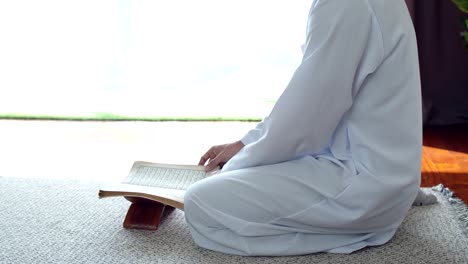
column 164, row 183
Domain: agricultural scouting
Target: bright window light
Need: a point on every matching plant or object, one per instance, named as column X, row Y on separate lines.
column 148, row 58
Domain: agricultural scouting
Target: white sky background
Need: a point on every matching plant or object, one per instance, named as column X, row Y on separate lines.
column 185, row 57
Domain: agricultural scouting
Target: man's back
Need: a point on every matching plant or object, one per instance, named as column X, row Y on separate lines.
column 379, row 138
column 385, row 121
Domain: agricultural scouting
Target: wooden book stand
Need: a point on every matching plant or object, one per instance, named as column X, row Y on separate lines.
column 145, row 214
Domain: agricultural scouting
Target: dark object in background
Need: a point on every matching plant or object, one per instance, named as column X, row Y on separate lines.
column 443, row 60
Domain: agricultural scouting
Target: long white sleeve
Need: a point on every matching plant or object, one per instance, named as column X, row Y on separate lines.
column 254, row 134
column 304, row 119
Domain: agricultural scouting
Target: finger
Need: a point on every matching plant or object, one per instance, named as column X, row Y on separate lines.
column 212, row 164
column 208, row 155
column 203, row 160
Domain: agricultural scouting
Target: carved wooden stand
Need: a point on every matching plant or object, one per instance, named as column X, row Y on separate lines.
column 145, row 214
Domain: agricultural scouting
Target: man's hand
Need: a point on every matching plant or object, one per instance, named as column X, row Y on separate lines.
column 220, row 154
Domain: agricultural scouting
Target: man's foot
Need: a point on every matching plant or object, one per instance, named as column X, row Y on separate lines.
column 424, row 198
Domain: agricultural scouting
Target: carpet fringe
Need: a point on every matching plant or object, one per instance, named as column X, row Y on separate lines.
column 458, row 206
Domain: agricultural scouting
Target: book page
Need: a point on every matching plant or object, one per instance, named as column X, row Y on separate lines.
column 164, row 183
column 174, row 198
column 164, row 176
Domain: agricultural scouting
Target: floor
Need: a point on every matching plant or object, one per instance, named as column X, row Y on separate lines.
column 105, row 151
column 445, row 158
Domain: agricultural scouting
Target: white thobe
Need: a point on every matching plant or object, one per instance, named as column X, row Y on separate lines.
column 336, row 164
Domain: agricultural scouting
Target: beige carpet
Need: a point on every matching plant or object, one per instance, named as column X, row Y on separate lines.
column 63, row 221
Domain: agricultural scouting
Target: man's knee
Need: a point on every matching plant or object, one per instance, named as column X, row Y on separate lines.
column 194, row 203
column 203, row 199
column 189, row 204
column 202, row 193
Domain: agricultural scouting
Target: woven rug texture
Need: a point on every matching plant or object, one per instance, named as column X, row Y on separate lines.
column 63, row 221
